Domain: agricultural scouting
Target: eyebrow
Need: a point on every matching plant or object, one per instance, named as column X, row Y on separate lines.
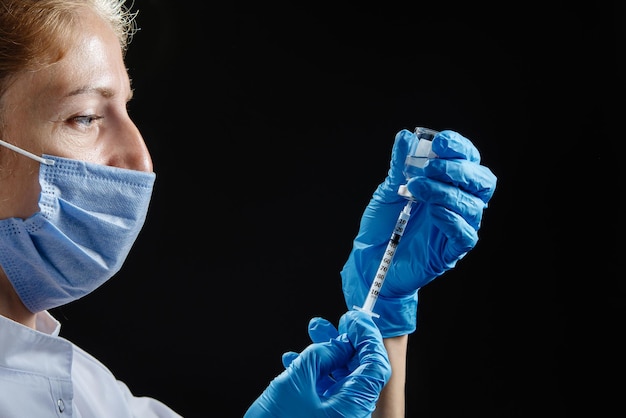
column 102, row 91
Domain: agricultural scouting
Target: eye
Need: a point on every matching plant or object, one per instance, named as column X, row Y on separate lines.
column 85, row 120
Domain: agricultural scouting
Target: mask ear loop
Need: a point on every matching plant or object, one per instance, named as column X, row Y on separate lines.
column 42, row 160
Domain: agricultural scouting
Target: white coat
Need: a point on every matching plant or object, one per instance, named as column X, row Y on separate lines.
column 45, row 375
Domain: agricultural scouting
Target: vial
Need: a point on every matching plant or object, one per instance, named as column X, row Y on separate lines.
column 420, row 151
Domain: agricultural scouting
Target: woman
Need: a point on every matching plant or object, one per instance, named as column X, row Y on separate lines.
column 75, row 183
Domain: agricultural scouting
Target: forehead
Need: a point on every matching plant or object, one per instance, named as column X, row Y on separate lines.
column 92, row 60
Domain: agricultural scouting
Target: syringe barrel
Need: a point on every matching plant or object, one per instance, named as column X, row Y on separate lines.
column 385, row 263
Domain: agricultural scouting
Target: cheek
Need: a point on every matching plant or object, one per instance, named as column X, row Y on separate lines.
column 19, row 188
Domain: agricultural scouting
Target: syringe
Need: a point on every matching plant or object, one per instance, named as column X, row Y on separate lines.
column 418, row 155
column 385, row 263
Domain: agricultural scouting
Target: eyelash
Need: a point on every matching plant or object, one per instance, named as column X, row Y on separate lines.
column 85, row 120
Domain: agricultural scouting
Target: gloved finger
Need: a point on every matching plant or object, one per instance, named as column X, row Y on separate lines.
column 469, row 207
column 471, row 177
column 452, row 145
column 461, row 236
column 321, row 330
column 363, row 386
column 367, row 339
column 288, row 358
column 395, row 175
column 321, row 359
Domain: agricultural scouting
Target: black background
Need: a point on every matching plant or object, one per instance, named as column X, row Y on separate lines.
column 270, row 129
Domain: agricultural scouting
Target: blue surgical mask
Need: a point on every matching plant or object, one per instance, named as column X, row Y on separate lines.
column 90, row 216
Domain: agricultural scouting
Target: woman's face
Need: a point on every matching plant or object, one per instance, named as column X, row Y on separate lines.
column 75, row 108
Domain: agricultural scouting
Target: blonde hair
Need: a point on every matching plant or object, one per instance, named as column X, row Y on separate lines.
column 33, row 33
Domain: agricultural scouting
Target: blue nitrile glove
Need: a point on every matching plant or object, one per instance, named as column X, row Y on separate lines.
column 443, row 227
column 306, row 389
column 322, row 330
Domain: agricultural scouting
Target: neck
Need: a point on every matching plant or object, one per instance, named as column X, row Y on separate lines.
column 11, row 305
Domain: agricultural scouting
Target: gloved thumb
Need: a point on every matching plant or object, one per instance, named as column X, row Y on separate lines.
column 288, row 358
column 387, row 192
column 321, row 330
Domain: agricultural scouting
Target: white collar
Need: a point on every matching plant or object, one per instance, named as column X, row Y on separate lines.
column 36, row 351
